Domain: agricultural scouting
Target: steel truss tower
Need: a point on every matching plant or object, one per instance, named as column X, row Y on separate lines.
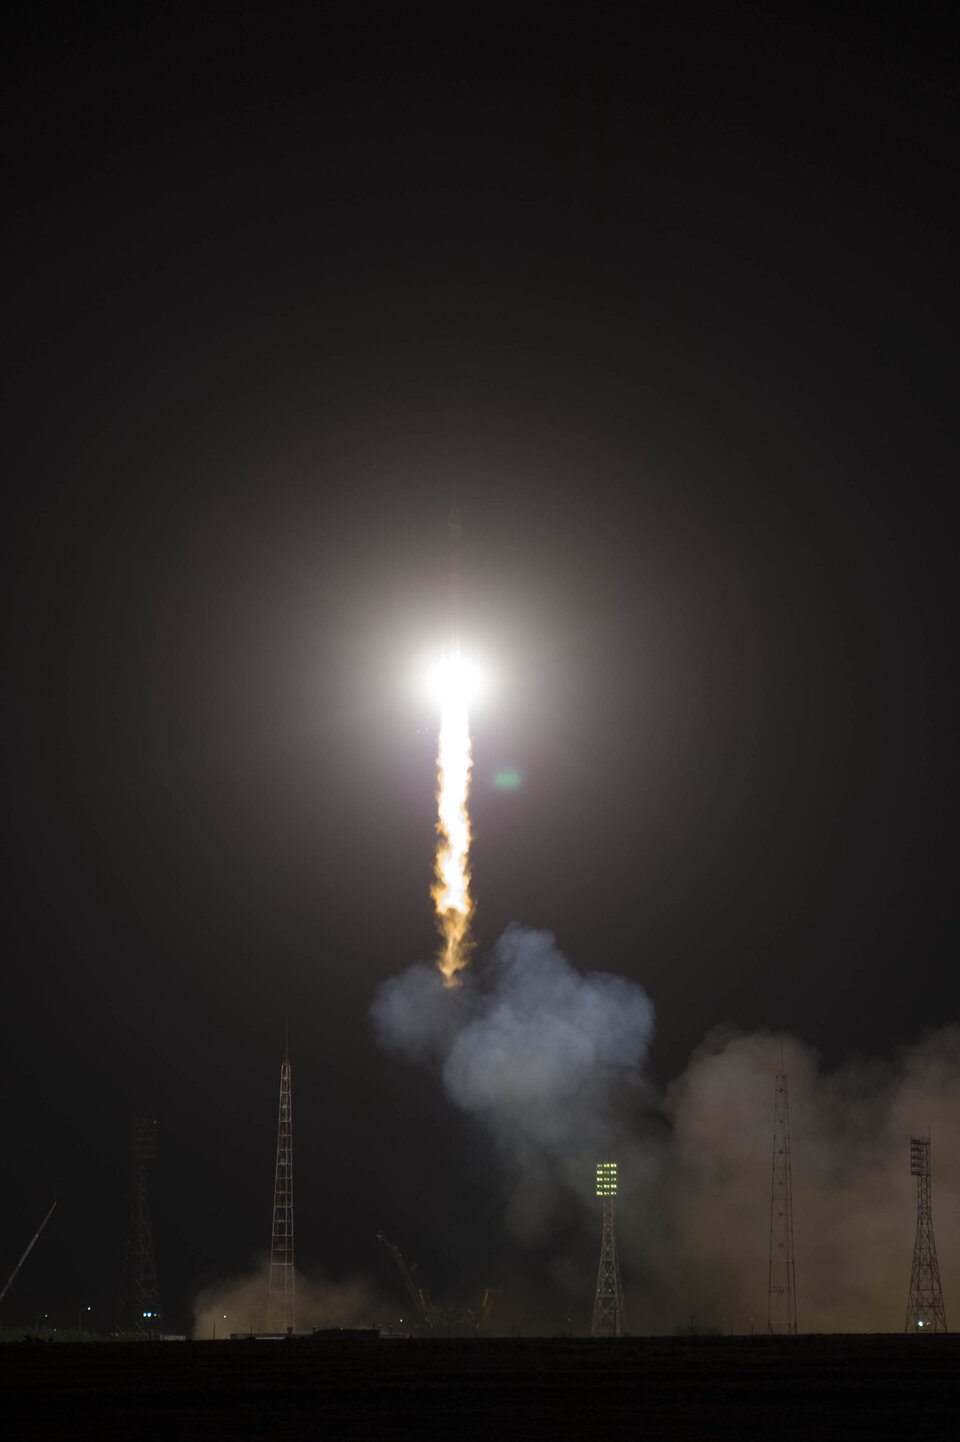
column 781, row 1295
column 925, row 1312
column 608, row 1314
column 138, row 1314
column 281, row 1302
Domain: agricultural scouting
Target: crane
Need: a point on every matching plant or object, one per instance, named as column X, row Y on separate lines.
column 456, row 1320
column 421, row 1299
column 26, row 1253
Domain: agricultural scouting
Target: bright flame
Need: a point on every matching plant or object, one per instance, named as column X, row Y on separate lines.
column 455, row 682
column 453, row 675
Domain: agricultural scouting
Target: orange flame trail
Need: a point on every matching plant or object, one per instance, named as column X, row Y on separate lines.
column 451, row 888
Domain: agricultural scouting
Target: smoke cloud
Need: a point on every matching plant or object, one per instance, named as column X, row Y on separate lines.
column 352, row 1303
column 550, row 1063
column 547, row 1060
column 854, row 1201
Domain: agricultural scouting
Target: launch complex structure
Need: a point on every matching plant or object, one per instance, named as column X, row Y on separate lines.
column 430, row 1319
column 138, row 1314
column 608, row 1311
column 781, row 1286
column 281, row 1294
column 925, row 1309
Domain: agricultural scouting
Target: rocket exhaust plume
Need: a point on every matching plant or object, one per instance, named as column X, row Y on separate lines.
column 455, row 682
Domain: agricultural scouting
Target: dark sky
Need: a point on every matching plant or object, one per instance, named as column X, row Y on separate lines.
column 676, row 311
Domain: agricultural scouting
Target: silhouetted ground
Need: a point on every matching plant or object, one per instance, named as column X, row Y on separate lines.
column 714, row 1387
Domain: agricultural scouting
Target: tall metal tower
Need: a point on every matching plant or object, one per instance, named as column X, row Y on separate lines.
column 925, row 1312
column 281, row 1303
column 608, row 1314
column 138, row 1313
column 782, row 1296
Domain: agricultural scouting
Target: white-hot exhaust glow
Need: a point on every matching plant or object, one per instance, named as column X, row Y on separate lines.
column 454, row 675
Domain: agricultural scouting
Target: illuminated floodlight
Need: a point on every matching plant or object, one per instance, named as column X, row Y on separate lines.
column 453, row 679
column 606, row 1179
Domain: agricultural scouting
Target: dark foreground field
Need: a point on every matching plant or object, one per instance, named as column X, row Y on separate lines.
column 730, row 1387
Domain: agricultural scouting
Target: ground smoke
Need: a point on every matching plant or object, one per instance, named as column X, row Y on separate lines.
column 854, row 1200
column 549, row 1062
column 319, row 1303
column 547, row 1059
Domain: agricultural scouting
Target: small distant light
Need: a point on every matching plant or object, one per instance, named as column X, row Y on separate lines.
column 919, row 1321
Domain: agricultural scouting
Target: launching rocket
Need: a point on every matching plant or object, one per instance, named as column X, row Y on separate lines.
column 450, row 891
column 454, row 529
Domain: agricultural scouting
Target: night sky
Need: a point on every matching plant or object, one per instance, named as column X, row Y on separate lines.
column 675, row 310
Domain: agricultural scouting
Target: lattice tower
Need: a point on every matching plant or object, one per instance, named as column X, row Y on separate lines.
column 782, row 1296
column 281, row 1301
column 138, row 1313
column 608, row 1312
column 925, row 1311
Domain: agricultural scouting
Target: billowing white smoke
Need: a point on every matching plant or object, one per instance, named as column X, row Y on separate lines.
column 547, row 1059
column 550, row 1061
column 854, row 1200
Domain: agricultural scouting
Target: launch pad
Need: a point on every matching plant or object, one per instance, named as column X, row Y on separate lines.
column 709, row 1388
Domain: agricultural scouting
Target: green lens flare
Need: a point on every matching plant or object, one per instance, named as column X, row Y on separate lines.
column 507, row 780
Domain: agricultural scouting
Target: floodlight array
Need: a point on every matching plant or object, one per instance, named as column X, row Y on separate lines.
column 606, row 1179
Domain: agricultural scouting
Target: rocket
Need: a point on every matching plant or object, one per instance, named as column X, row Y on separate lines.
column 454, row 529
